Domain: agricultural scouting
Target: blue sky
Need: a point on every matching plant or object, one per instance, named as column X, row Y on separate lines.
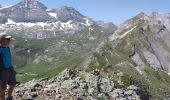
column 116, row 11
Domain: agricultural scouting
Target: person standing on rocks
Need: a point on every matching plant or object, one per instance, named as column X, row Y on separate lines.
column 7, row 72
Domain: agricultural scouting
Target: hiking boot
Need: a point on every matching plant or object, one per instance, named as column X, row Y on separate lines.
column 9, row 98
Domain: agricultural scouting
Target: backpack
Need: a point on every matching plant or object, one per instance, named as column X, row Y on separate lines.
column 1, row 60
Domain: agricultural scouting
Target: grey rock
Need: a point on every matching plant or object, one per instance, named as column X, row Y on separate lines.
column 27, row 96
column 132, row 87
column 3, row 19
column 106, row 85
column 152, row 60
column 74, row 88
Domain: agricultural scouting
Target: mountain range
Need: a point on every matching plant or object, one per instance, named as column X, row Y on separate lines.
column 38, row 20
column 47, row 41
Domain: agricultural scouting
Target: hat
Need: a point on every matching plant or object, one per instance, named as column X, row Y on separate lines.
column 4, row 35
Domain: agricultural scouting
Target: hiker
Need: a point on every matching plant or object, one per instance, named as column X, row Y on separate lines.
column 97, row 72
column 7, row 72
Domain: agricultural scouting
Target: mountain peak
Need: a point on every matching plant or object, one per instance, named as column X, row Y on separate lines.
column 33, row 4
column 64, row 14
column 29, row 2
column 66, row 7
column 72, row 10
column 140, row 15
column 26, row 1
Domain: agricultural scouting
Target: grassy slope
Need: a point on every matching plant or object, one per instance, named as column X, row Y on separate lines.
column 45, row 68
column 64, row 52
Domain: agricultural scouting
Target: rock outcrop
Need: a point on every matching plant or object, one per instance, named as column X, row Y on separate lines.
column 75, row 85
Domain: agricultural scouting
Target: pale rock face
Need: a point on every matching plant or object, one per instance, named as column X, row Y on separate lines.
column 152, row 60
column 161, row 53
column 140, row 64
column 136, row 58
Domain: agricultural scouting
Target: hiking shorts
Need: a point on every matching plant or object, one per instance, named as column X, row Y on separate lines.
column 7, row 76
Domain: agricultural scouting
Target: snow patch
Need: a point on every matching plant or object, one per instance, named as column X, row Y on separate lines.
column 91, row 38
column 59, row 25
column 10, row 21
column 67, row 25
column 115, row 35
column 42, row 24
column 88, row 22
column 48, row 9
column 127, row 32
column 5, row 7
column 53, row 14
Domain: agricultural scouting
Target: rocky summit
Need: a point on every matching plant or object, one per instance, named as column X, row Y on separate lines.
column 77, row 85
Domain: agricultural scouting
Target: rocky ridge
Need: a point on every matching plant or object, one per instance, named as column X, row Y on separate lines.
column 152, row 31
column 76, row 85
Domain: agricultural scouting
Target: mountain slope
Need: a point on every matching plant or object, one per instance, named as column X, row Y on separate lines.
column 139, row 50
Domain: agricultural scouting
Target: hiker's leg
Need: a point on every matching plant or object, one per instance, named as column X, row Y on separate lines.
column 3, row 83
column 11, row 83
column 2, row 94
column 10, row 90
